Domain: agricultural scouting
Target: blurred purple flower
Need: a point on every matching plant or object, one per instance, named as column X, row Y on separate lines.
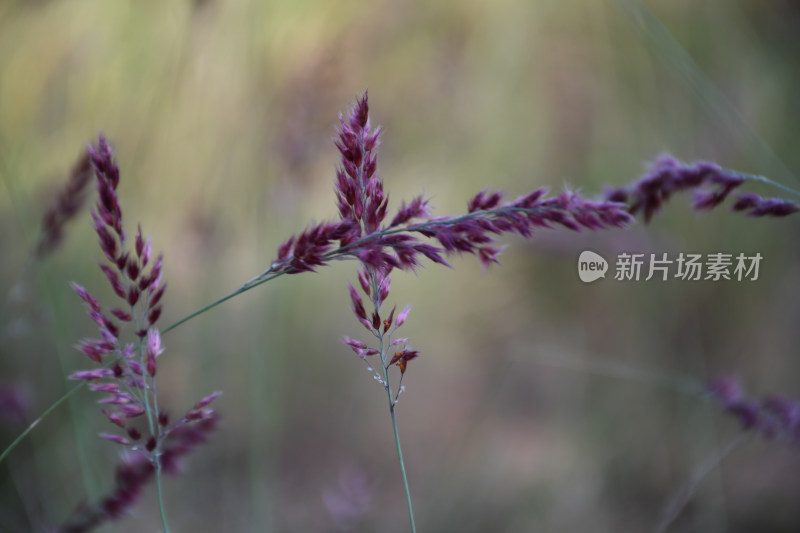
column 350, row 500
column 757, row 206
column 711, row 183
column 773, row 417
column 65, row 206
column 135, row 472
column 14, row 402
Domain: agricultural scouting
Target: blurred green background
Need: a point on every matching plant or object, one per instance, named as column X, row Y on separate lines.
column 532, row 408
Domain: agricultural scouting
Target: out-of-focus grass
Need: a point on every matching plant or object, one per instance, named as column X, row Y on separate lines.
column 222, row 115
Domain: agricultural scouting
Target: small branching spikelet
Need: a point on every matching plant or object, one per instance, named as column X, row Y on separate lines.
column 65, row 205
column 756, row 206
column 382, row 329
column 128, row 372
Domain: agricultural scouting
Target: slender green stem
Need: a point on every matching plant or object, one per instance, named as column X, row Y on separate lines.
column 161, row 508
column 403, row 470
column 152, row 414
column 679, row 500
column 158, row 436
column 392, row 404
column 392, row 401
column 47, row 412
column 36, row 422
column 255, row 282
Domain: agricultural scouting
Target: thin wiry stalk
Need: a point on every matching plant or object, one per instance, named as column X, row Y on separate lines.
column 255, row 282
column 67, row 395
column 679, row 500
column 161, row 509
column 391, row 400
column 392, row 404
column 41, row 417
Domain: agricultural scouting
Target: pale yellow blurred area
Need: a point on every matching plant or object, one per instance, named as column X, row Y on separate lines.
column 222, row 114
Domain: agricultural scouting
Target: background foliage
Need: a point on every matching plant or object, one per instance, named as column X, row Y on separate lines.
column 222, row 115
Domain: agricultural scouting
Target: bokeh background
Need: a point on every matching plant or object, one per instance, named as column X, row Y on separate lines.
column 540, row 403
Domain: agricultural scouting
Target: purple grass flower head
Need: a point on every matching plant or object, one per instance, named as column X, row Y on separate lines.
column 416, row 209
column 359, row 190
column 405, row 242
column 65, row 206
column 135, row 472
column 773, row 417
column 756, row 206
column 412, row 236
column 711, row 184
column 363, row 205
column 128, row 374
column 310, row 249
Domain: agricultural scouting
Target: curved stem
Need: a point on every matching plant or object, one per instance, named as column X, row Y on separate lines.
column 47, row 412
column 255, row 282
column 684, row 494
column 35, row 423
